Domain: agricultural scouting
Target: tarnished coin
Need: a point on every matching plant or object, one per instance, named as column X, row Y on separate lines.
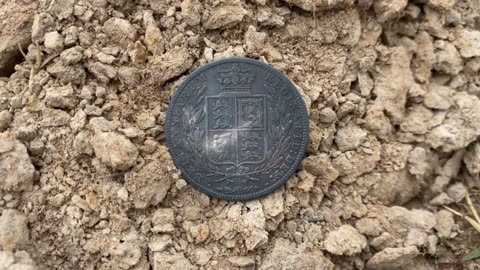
column 237, row 129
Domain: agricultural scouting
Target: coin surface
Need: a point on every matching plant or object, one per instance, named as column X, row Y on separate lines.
column 237, row 129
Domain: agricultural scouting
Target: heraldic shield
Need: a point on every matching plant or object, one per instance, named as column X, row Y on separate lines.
column 236, row 130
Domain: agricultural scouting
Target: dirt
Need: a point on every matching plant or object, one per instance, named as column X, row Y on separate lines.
column 86, row 182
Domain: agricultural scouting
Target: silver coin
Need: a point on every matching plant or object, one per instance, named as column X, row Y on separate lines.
column 237, row 129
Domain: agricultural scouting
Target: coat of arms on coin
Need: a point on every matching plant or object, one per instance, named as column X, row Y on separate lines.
column 237, row 129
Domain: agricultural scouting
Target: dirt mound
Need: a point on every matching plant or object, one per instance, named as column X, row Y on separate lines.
column 86, row 182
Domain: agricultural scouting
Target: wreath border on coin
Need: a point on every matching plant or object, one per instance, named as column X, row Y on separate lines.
column 182, row 161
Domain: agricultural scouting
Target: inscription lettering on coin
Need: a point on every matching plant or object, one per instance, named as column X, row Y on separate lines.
column 237, row 129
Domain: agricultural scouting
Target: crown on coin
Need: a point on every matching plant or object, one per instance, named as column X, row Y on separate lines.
column 236, row 79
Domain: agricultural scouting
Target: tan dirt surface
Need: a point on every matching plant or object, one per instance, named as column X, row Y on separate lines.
column 86, row 181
